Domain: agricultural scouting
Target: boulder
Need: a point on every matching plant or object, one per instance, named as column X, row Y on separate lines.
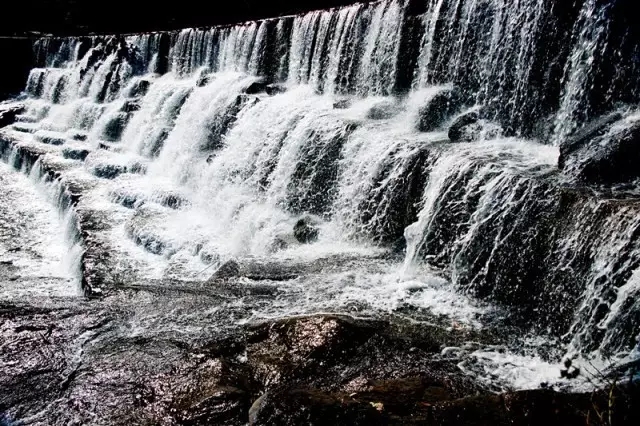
column 228, row 270
column 585, row 135
column 306, row 230
column 109, row 171
column 614, row 160
column 78, row 136
column 383, row 110
column 255, row 88
column 275, row 89
column 438, row 109
column 458, row 131
column 605, row 152
column 471, row 127
column 8, row 113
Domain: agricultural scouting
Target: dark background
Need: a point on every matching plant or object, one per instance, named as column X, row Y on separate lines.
column 76, row 17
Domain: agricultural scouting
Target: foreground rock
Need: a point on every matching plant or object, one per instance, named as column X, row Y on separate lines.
column 604, row 152
column 82, row 362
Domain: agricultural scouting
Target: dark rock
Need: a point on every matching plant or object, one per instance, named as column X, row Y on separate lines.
column 139, row 88
column 131, row 106
column 275, row 89
column 458, row 129
column 26, row 119
column 438, row 109
column 342, row 104
column 114, row 128
column 314, row 407
column 204, row 79
column 607, row 159
column 255, row 88
column 50, row 138
column 109, row 171
column 469, row 129
column 585, row 136
column 228, row 270
column 8, row 113
column 306, row 230
column 75, row 154
column 77, row 136
column 383, row 110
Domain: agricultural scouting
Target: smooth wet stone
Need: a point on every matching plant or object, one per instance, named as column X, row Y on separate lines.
column 383, row 110
column 438, row 109
column 586, row 135
column 607, row 153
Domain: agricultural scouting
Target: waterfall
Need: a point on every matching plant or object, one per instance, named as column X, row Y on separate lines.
column 210, row 144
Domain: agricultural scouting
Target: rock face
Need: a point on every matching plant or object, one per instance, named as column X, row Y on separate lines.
column 438, row 109
column 586, row 135
column 605, row 152
column 9, row 112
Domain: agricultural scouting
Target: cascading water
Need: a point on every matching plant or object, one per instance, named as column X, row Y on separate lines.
column 207, row 145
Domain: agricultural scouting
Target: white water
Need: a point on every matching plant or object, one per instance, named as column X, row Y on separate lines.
column 37, row 257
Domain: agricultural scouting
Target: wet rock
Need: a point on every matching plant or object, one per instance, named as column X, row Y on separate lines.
column 586, row 135
column 139, row 88
column 8, row 113
column 256, row 87
column 114, row 128
column 204, row 79
column 25, row 119
column 438, row 109
column 255, row 271
column 275, row 89
column 306, row 230
column 605, row 159
column 228, row 270
column 24, row 127
column 383, row 110
column 314, row 407
column 342, row 104
column 470, row 127
column 78, row 136
column 109, row 171
column 75, row 154
column 458, row 131
column 50, row 138
column 131, row 106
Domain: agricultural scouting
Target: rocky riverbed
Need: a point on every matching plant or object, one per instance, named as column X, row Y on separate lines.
column 154, row 356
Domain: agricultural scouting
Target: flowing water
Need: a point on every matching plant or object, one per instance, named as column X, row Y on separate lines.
column 187, row 161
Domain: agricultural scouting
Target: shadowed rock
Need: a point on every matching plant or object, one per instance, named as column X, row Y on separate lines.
column 8, row 113
column 438, row 109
